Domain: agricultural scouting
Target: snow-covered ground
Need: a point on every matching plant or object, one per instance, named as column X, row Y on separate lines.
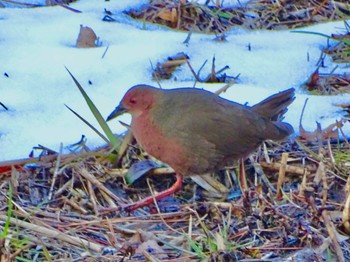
column 36, row 44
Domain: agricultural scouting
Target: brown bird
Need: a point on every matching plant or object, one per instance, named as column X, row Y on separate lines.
column 195, row 131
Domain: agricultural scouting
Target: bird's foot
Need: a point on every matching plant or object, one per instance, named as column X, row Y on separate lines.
column 149, row 200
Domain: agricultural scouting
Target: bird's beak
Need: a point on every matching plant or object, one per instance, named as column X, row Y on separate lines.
column 119, row 110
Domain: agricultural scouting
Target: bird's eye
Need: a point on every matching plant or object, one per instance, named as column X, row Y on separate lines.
column 132, row 101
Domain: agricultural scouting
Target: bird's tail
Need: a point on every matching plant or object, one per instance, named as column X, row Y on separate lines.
column 279, row 130
column 275, row 106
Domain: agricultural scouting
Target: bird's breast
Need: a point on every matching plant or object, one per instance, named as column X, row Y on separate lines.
column 158, row 143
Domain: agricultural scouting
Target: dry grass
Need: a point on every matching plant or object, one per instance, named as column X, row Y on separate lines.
column 286, row 208
column 256, row 14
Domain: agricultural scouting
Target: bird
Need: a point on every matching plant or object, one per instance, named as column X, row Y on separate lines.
column 196, row 131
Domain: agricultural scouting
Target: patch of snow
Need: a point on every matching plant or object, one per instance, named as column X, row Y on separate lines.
column 36, row 44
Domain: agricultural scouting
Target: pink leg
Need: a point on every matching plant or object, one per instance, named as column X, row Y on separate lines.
column 149, row 200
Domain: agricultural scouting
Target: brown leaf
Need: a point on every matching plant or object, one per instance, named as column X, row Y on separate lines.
column 329, row 132
column 312, row 81
column 86, row 38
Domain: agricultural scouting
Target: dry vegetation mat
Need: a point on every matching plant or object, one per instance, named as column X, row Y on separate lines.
column 256, row 14
column 293, row 201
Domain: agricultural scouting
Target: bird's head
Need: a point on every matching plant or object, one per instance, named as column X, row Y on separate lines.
column 137, row 100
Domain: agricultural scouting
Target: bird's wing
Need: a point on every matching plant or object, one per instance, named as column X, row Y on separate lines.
column 210, row 128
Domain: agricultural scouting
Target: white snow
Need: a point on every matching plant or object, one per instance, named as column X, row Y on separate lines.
column 36, row 44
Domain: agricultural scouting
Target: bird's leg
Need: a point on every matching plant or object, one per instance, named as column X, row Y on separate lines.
column 149, row 200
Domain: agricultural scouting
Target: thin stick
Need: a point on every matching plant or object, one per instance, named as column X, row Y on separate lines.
column 191, row 69
column 332, row 235
column 302, row 112
column 281, row 175
column 104, row 53
column 55, row 174
column 92, row 197
column 85, row 173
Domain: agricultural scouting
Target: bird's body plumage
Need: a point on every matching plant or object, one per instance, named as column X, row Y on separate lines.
column 195, row 131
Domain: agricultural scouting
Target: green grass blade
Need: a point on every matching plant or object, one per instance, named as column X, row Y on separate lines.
column 9, row 213
column 21, row 259
column 112, row 139
column 87, row 123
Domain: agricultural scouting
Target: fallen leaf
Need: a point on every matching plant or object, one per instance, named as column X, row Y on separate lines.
column 86, row 38
column 329, row 132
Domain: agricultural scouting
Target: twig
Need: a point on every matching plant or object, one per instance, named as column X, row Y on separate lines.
column 346, row 210
column 92, row 197
column 194, row 74
column 281, row 175
column 55, row 174
column 155, row 75
column 5, row 107
column 289, row 168
column 302, row 112
column 75, row 205
column 224, row 88
column 332, row 234
column 104, row 53
column 85, row 173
